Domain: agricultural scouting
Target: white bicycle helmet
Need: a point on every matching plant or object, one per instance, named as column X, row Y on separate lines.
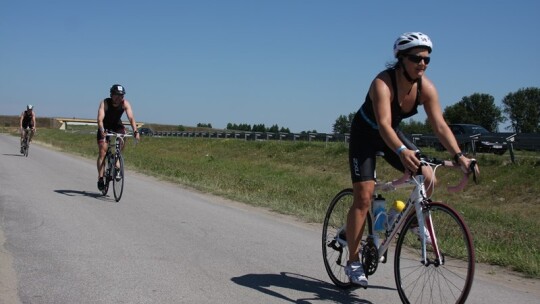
column 29, row 107
column 411, row 40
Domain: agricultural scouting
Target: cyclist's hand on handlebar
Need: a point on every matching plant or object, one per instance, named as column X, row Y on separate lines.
column 410, row 160
column 470, row 166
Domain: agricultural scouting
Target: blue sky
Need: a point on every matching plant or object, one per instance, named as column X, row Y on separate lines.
column 296, row 63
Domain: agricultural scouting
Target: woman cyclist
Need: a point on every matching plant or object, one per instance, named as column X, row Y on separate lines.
column 394, row 95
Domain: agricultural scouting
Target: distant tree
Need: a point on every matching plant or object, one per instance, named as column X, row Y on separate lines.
column 259, row 128
column 284, row 130
column 415, row 127
column 236, row 127
column 204, row 125
column 181, row 128
column 273, row 129
column 245, row 127
column 477, row 109
column 523, row 110
column 343, row 124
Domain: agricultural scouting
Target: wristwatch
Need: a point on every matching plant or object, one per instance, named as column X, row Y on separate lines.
column 457, row 156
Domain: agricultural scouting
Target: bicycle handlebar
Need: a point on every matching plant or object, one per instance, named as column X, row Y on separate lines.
column 433, row 162
column 109, row 133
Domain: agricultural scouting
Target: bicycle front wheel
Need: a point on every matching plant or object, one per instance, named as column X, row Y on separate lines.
column 118, row 178
column 445, row 280
column 26, row 147
column 334, row 243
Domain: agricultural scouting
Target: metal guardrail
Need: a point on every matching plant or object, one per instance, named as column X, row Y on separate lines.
column 524, row 141
column 245, row 135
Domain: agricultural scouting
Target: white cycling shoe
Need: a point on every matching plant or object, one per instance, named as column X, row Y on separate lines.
column 355, row 272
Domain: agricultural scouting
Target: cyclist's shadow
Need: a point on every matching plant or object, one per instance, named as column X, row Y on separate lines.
column 95, row 195
column 13, row 154
column 321, row 290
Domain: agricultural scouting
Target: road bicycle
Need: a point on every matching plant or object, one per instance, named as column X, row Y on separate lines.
column 25, row 146
column 434, row 255
column 114, row 165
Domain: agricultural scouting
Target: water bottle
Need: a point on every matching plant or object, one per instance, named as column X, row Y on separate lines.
column 379, row 213
column 394, row 211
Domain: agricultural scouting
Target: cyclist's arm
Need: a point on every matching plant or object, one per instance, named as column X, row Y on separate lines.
column 101, row 116
column 438, row 124
column 34, row 120
column 381, row 96
column 21, row 120
column 131, row 118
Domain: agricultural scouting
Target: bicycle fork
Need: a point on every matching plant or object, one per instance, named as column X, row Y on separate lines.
column 425, row 224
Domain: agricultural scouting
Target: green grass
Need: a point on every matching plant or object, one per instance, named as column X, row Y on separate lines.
column 300, row 178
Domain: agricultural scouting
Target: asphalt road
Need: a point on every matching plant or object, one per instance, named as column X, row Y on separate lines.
column 62, row 242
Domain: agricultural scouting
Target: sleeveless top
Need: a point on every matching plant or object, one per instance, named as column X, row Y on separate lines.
column 366, row 115
column 27, row 118
column 113, row 116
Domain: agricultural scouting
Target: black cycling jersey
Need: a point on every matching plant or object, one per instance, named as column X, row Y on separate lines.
column 365, row 140
column 113, row 115
column 366, row 115
column 112, row 120
column 27, row 120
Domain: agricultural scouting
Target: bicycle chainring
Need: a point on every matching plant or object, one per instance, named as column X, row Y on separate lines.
column 370, row 258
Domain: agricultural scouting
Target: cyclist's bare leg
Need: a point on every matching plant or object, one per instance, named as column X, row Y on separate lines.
column 356, row 218
column 427, row 171
column 31, row 134
column 23, row 131
column 101, row 158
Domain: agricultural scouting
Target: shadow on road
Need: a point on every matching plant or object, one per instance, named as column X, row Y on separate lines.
column 11, row 154
column 321, row 290
column 80, row 193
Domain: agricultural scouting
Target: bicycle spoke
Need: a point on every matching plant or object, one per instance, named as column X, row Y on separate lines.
column 334, row 245
column 446, row 281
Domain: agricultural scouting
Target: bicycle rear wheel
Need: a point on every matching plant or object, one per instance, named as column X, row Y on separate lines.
column 440, row 281
column 334, row 244
column 26, row 147
column 118, row 178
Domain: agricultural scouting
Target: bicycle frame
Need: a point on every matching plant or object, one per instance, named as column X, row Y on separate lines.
column 118, row 141
column 414, row 204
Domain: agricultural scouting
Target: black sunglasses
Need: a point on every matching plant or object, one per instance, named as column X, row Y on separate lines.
column 417, row 59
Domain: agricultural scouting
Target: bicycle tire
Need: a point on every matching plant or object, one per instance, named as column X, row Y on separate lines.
column 118, row 177
column 107, row 176
column 334, row 247
column 26, row 147
column 451, row 280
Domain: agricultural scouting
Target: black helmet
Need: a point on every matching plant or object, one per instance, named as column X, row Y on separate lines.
column 117, row 89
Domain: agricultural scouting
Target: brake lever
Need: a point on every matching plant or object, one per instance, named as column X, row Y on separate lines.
column 472, row 169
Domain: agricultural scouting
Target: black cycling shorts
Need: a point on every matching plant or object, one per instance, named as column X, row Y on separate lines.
column 364, row 144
